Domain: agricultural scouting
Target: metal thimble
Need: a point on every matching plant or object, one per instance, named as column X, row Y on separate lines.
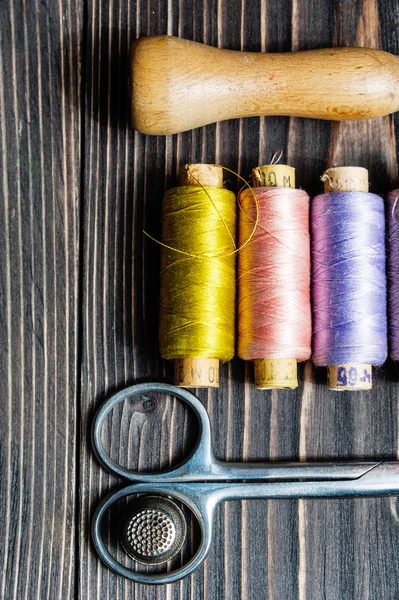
column 153, row 529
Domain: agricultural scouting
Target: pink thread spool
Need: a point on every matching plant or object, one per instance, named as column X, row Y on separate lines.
column 274, row 315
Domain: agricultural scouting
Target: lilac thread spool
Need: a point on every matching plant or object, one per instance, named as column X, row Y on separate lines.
column 349, row 280
column 393, row 272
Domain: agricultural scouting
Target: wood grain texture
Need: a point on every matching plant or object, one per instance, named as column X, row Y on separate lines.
column 165, row 69
column 79, row 301
column 276, row 549
column 39, row 239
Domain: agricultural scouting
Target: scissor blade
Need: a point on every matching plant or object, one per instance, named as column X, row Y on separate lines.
column 218, row 471
column 292, row 471
column 382, row 480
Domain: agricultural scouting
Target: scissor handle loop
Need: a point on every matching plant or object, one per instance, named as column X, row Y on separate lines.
column 200, row 457
column 203, row 517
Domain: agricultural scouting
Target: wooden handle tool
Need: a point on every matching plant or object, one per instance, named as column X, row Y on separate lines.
column 177, row 85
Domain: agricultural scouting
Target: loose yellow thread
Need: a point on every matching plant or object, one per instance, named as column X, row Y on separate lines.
column 197, row 299
column 204, row 188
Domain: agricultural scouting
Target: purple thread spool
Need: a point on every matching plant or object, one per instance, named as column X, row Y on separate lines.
column 348, row 279
column 393, row 272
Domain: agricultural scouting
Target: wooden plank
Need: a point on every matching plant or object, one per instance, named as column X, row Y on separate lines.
column 277, row 549
column 39, row 238
column 338, row 555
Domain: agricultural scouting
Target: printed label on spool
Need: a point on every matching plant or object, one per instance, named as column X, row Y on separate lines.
column 276, row 373
column 352, row 376
column 346, row 179
column 197, row 372
column 273, row 176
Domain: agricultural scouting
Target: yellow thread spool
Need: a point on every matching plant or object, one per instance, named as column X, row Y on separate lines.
column 212, row 216
column 275, row 373
column 347, row 179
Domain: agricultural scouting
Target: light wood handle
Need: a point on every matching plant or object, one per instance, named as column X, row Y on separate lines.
column 177, row 84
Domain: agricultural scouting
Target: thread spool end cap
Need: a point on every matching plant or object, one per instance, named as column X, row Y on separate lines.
column 201, row 174
column 197, row 372
column 276, row 373
column 345, row 179
column 275, row 175
column 349, row 376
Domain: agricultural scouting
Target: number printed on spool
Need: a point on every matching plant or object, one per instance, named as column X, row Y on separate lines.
column 350, row 376
column 277, row 175
column 271, row 180
column 197, row 372
column 276, row 373
column 346, row 179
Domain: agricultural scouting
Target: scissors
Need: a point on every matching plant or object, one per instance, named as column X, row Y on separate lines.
column 154, row 530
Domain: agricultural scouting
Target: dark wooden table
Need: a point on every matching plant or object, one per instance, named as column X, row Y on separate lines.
column 79, row 303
